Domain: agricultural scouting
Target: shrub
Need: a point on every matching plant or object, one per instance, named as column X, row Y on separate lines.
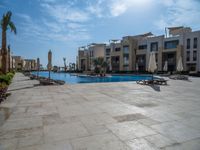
column 10, row 75
column 6, row 78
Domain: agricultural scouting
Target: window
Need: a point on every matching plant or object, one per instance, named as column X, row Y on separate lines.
column 188, row 43
column 194, row 55
column 188, row 56
column 126, row 49
column 171, row 44
column 117, row 49
column 108, row 51
column 154, row 46
column 195, row 43
column 141, row 59
column 126, row 59
column 142, row 47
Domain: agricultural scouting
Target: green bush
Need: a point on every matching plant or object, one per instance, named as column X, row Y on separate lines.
column 10, row 75
column 6, row 78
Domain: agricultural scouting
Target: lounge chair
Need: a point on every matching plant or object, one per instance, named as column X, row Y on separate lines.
column 159, row 81
column 179, row 77
column 145, row 82
column 46, row 82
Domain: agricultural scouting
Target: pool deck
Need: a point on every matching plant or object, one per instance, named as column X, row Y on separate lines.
column 101, row 116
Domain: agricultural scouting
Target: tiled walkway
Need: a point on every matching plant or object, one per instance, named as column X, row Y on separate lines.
column 104, row 116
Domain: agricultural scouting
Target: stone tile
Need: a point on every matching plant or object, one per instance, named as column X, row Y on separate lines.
column 163, row 117
column 65, row 131
column 160, row 141
column 190, row 145
column 130, row 130
column 177, row 131
column 30, row 141
column 148, row 121
column 60, row 145
column 97, row 119
column 97, row 129
column 10, row 144
column 129, row 117
column 140, row 144
column 193, row 122
column 52, row 119
column 20, row 124
column 103, row 141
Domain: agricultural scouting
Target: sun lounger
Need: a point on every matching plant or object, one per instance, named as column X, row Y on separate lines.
column 179, row 77
column 145, row 82
column 159, row 81
column 46, row 82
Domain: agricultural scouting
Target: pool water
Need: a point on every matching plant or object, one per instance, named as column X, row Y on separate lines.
column 72, row 79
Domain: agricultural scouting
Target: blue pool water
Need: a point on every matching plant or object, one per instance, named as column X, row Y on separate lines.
column 72, row 79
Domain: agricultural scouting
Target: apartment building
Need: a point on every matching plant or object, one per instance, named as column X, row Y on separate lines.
column 87, row 54
column 132, row 53
column 17, row 63
column 29, row 64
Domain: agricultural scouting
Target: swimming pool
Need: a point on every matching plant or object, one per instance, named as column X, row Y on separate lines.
column 72, row 79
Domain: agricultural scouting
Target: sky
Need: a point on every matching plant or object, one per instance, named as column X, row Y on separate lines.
column 65, row 25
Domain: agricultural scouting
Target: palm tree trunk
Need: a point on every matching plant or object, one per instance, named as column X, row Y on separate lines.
column 9, row 58
column 4, row 52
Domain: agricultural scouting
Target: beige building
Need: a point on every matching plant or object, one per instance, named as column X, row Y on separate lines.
column 29, row 64
column 17, row 63
column 132, row 51
column 87, row 54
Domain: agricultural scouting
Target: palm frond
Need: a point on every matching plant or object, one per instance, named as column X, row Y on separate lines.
column 12, row 27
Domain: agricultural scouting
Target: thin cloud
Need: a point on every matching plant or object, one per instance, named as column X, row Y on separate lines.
column 46, row 30
column 64, row 13
column 180, row 13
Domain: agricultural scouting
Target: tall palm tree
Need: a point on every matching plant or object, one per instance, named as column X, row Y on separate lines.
column 64, row 59
column 6, row 23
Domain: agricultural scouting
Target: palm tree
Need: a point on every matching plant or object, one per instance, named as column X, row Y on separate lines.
column 64, row 59
column 8, row 58
column 100, row 65
column 5, row 24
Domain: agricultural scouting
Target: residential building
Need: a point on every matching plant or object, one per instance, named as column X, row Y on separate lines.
column 29, row 64
column 132, row 51
column 87, row 54
column 17, row 63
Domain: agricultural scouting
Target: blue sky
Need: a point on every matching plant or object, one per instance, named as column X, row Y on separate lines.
column 65, row 25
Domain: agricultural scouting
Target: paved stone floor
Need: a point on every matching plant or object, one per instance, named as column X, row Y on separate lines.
column 103, row 116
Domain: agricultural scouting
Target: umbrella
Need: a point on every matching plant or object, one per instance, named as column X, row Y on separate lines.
column 49, row 66
column 152, row 63
column 38, row 65
column 180, row 65
column 165, row 68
